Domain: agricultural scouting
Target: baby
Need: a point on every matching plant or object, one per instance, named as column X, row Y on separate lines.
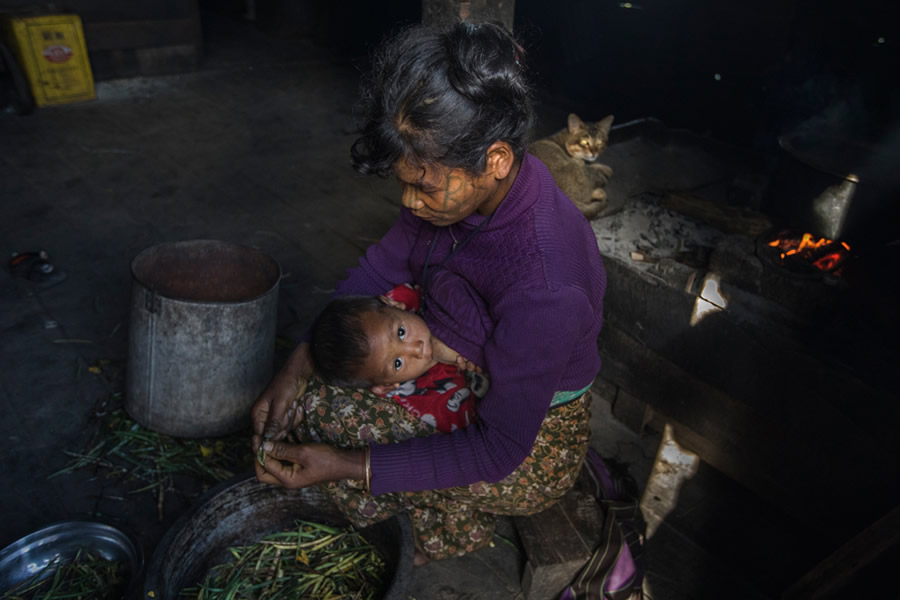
column 381, row 343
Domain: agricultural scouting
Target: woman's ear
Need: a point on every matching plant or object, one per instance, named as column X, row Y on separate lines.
column 500, row 159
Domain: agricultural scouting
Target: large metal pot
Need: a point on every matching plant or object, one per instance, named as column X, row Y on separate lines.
column 202, row 336
column 836, row 188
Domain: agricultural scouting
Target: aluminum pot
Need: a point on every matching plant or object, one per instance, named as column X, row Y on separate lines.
column 201, row 343
column 24, row 558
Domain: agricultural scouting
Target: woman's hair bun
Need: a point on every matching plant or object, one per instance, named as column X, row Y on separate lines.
column 443, row 96
column 484, row 61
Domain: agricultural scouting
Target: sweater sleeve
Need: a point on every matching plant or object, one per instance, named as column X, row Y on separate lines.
column 386, row 263
column 526, row 356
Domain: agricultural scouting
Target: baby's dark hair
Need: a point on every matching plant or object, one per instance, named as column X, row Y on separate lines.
column 443, row 96
column 338, row 343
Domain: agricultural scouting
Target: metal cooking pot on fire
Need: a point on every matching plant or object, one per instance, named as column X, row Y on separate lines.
column 836, row 188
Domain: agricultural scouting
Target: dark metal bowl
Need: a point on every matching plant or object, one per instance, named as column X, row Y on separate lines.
column 240, row 512
column 27, row 556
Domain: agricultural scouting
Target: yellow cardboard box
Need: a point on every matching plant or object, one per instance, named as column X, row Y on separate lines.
column 53, row 54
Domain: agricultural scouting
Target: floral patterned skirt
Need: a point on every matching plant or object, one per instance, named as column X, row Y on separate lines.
column 452, row 521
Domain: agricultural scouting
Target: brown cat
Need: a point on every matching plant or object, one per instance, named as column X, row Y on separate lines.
column 570, row 156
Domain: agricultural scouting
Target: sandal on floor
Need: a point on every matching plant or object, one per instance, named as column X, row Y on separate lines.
column 35, row 267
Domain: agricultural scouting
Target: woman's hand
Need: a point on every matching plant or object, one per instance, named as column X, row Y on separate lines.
column 277, row 410
column 299, row 465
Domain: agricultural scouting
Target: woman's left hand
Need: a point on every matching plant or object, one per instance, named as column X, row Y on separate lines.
column 300, row 465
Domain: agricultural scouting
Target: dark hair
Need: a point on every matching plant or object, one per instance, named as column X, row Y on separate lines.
column 338, row 344
column 443, row 96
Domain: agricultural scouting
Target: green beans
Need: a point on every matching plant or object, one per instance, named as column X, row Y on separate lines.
column 85, row 577
column 313, row 561
column 153, row 459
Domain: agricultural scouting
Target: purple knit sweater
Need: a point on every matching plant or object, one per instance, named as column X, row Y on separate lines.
column 523, row 299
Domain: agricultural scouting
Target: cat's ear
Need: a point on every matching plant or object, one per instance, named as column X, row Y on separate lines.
column 606, row 123
column 500, row 159
column 575, row 123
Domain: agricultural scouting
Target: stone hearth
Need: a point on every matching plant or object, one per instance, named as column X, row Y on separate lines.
column 782, row 382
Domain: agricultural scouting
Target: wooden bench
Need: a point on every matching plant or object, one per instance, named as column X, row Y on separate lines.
column 559, row 541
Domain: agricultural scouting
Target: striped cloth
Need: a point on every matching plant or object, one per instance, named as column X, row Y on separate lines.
column 616, row 568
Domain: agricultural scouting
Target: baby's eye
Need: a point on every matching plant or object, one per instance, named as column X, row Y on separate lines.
column 398, row 364
column 401, row 332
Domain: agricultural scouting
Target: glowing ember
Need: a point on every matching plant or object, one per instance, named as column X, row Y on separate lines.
column 824, row 254
column 829, row 261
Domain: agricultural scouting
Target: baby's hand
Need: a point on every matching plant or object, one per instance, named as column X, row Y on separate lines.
column 392, row 302
column 463, row 364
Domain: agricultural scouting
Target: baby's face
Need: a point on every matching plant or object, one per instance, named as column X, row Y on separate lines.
column 399, row 346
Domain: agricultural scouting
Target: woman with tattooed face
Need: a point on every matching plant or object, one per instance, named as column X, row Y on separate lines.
column 511, row 278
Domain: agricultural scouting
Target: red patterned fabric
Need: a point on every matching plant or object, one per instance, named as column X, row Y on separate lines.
column 441, row 396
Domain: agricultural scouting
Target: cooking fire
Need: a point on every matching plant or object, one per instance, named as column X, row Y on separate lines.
column 824, row 254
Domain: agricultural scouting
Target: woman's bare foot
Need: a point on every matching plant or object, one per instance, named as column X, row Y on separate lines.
column 420, row 559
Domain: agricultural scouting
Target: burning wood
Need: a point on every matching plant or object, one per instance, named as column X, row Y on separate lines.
column 824, row 254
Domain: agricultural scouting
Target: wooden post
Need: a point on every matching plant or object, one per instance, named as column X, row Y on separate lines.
column 559, row 541
column 438, row 12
